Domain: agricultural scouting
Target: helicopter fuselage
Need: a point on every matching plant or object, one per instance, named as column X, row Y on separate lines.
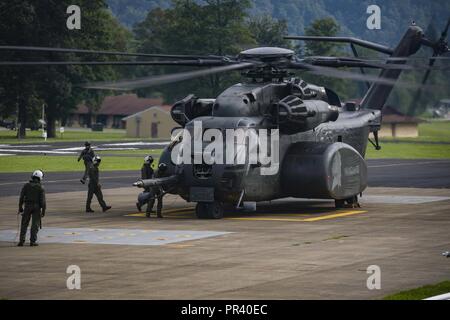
column 329, row 139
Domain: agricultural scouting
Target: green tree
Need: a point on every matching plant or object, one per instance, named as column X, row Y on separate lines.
column 43, row 23
column 321, row 27
column 216, row 27
column 269, row 32
column 328, row 27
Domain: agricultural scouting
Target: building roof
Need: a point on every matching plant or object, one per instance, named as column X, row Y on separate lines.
column 391, row 115
column 164, row 108
column 122, row 105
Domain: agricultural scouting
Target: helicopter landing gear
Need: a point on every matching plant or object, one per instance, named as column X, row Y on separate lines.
column 351, row 202
column 209, row 210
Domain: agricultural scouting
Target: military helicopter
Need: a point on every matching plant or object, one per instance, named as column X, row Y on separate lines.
column 322, row 142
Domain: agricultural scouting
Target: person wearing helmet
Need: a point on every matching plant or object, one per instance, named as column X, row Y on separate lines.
column 87, row 155
column 147, row 173
column 94, row 186
column 33, row 197
column 159, row 192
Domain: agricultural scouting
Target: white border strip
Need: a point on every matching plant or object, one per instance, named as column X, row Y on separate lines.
column 445, row 296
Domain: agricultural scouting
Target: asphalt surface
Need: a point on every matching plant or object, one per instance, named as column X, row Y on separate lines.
column 287, row 249
column 382, row 173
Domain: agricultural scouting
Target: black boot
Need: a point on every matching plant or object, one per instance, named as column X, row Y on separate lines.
column 89, row 210
column 106, row 208
column 20, row 244
column 33, row 244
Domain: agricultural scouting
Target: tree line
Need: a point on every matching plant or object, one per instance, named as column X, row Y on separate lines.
column 214, row 27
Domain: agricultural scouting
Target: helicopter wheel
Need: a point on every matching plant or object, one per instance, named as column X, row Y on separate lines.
column 347, row 203
column 339, row 204
column 209, row 210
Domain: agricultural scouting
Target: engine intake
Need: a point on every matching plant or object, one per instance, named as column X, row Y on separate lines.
column 295, row 115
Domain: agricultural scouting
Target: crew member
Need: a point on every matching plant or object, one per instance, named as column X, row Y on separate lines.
column 159, row 192
column 147, row 173
column 33, row 196
column 87, row 155
column 94, row 186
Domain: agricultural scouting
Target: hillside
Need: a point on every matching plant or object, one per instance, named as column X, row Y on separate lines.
column 351, row 14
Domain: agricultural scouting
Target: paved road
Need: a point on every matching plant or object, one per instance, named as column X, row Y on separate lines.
column 382, row 173
column 409, row 173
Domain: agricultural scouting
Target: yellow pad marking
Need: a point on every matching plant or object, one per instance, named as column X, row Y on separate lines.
column 182, row 213
column 333, row 216
column 324, row 217
column 177, row 210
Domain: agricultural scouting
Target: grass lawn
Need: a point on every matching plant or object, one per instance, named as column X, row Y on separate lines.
column 422, row 292
column 9, row 136
column 64, row 163
column 409, row 151
column 432, row 131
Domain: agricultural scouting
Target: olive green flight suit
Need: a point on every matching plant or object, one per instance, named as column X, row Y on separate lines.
column 148, row 173
column 33, row 196
column 94, row 188
column 87, row 155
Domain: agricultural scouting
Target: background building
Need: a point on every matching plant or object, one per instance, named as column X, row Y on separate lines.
column 154, row 122
column 398, row 125
column 112, row 111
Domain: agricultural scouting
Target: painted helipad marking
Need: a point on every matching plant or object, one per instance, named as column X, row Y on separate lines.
column 135, row 237
column 398, row 199
column 182, row 211
column 6, row 154
column 334, row 216
column 312, row 219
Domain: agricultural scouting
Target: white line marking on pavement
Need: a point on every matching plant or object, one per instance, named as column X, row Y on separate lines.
column 390, row 199
column 97, row 149
column 67, row 180
column 139, row 143
column 407, row 164
column 24, row 146
column 37, row 151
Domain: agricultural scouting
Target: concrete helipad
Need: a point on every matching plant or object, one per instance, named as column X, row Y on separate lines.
column 131, row 237
column 287, row 249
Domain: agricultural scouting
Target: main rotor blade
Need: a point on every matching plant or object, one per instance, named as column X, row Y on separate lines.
column 365, row 63
column 363, row 43
column 340, row 74
column 188, row 63
column 113, row 53
column 163, row 79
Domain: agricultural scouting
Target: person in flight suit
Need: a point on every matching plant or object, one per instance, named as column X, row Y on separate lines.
column 147, row 173
column 94, row 186
column 87, row 155
column 33, row 196
column 159, row 192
